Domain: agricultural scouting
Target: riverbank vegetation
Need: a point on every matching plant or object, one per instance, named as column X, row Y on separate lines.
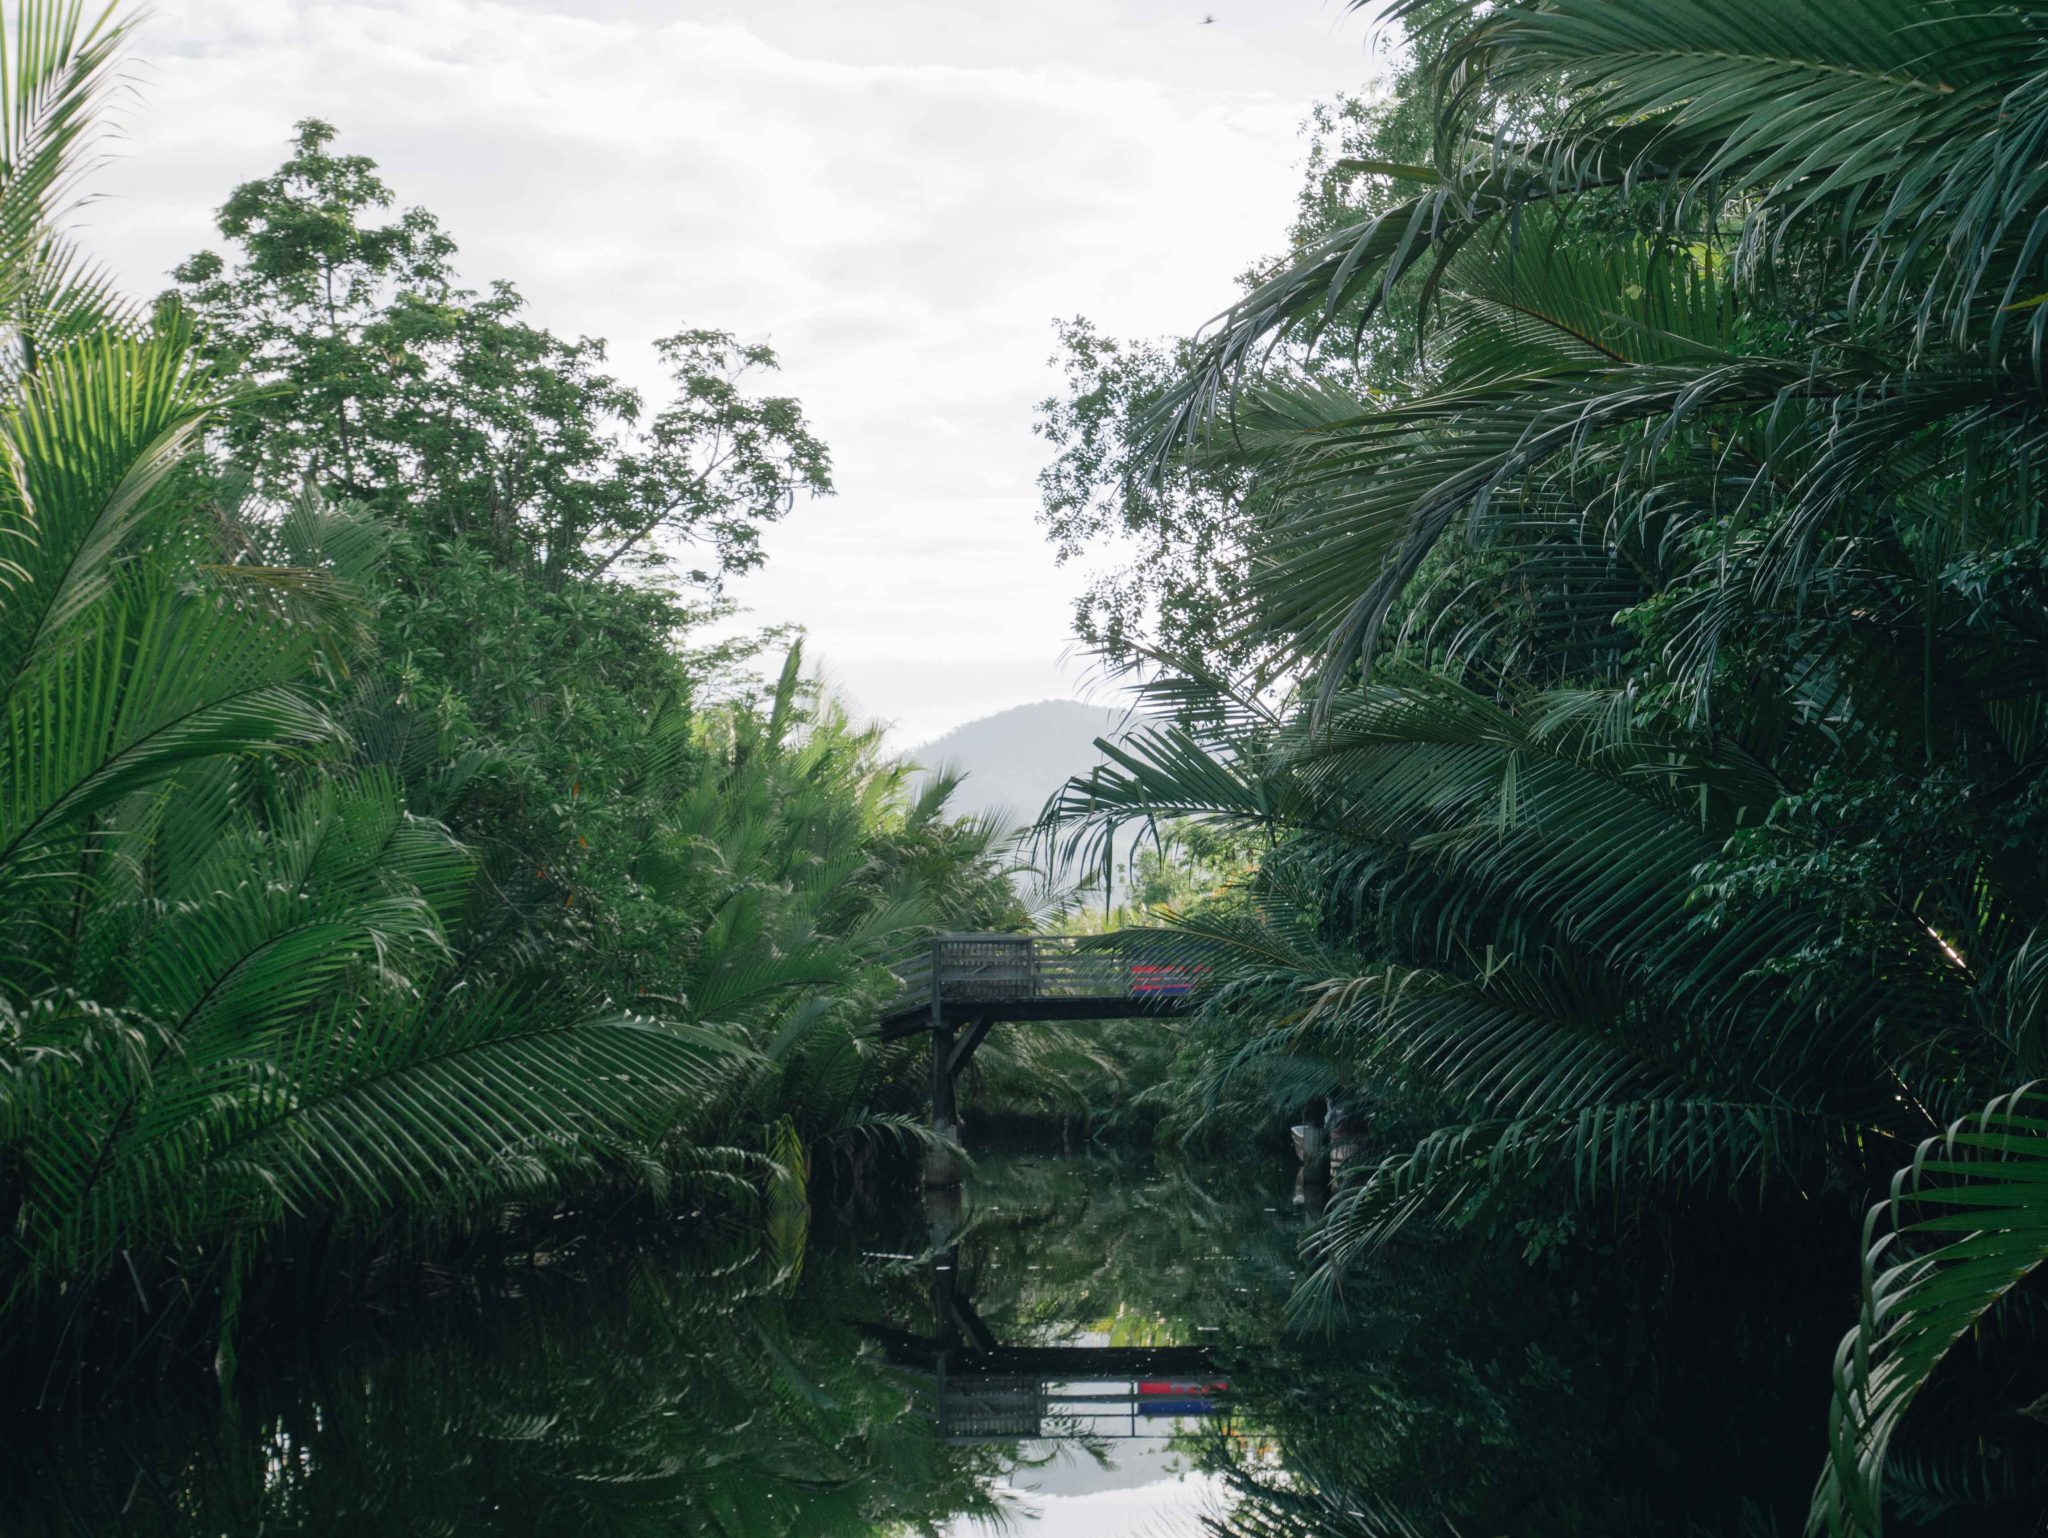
column 378, row 861
column 1588, row 605
column 1603, row 567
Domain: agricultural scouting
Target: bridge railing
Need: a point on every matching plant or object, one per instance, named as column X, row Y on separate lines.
column 991, row 968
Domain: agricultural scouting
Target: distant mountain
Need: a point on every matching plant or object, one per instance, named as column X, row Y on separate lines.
column 1017, row 758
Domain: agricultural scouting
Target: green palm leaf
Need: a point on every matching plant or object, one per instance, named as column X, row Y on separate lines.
column 90, row 443
column 167, row 679
column 488, row 1101
column 1966, row 1224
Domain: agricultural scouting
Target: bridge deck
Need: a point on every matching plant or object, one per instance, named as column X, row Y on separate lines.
column 1034, row 977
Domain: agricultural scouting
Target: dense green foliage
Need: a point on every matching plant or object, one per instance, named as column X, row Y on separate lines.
column 396, row 388
column 1634, row 646
column 1590, row 605
column 373, row 861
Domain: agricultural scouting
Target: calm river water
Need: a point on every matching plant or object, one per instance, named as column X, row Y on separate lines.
column 1083, row 1346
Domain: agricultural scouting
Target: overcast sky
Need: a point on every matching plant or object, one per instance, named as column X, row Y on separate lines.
column 900, row 195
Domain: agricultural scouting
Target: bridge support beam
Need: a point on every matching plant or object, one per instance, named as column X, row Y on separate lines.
column 961, row 1054
column 952, row 1051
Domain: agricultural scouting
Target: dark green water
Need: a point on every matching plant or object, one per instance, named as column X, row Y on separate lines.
column 982, row 1365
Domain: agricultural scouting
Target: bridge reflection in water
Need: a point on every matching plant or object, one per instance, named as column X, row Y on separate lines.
column 976, row 1389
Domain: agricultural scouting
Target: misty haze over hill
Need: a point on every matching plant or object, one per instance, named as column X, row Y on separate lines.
column 1016, row 759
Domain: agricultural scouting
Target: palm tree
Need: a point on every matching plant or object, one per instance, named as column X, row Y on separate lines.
column 237, row 992
column 1672, row 635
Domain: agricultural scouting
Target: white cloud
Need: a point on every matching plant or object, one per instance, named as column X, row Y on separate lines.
column 900, row 194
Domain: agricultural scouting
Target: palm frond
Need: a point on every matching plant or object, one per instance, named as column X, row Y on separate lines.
column 1966, row 1224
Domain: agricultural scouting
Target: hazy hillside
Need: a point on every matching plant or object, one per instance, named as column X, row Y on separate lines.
column 1016, row 758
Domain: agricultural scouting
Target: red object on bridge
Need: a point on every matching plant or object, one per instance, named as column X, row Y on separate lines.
column 1164, row 981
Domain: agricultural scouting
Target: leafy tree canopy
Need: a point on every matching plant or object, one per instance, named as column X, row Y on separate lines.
column 391, row 385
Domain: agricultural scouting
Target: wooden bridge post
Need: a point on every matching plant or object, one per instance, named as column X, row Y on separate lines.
column 942, row 1165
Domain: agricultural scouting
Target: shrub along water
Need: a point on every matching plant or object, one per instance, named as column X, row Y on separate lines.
column 370, row 867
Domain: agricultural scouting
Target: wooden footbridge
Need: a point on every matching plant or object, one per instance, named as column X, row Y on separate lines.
column 959, row 987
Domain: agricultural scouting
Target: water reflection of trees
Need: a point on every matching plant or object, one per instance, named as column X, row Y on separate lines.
column 677, row 1388
column 666, row 1386
column 1640, row 1389
column 1054, row 1246
column 647, row 1396
column 1669, row 1385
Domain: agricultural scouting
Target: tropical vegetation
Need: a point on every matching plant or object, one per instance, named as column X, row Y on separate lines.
column 1587, row 605
column 1618, row 604
column 378, row 862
